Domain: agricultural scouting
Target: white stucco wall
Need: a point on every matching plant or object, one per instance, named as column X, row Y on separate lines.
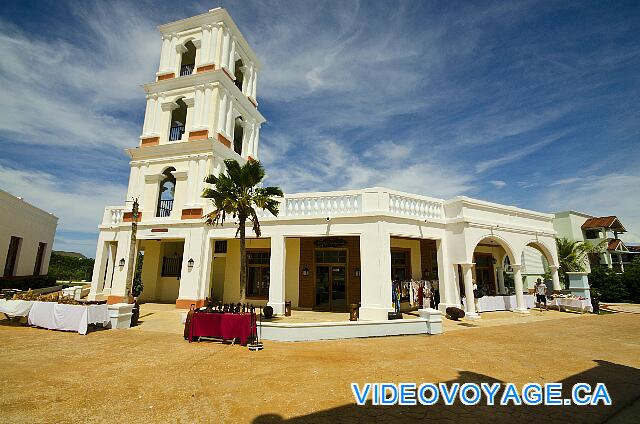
column 33, row 225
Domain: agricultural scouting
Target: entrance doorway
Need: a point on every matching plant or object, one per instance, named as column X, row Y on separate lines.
column 484, row 273
column 331, row 280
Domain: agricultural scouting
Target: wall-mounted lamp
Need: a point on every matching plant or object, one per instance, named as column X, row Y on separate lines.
column 357, row 272
column 121, row 263
column 305, row 271
column 190, row 264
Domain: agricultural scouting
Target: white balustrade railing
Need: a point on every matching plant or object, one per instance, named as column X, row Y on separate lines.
column 113, row 215
column 323, row 205
column 335, row 204
column 416, row 207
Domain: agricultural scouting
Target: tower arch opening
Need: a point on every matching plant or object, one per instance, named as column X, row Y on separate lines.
column 178, row 120
column 166, row 194
column 188, row 58
column 238, row 135
column 239, row 73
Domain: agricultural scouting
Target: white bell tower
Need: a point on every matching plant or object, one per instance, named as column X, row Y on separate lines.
column 201, row 109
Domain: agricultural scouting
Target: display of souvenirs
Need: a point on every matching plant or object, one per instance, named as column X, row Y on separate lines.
column 419, row 292
column 566, row 296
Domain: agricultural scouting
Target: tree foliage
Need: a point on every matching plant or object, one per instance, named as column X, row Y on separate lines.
column 573, row 256
column 237, row 193
column 62, row 267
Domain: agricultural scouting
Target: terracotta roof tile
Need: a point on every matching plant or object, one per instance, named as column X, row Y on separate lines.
column 611, row 222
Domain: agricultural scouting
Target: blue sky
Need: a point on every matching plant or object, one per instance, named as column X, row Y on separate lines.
column 533, row 104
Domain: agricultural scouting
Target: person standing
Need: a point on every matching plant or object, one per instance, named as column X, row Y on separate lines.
column 541, row 294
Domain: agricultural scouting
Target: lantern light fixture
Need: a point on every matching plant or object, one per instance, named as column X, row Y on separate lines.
column 122, row 263
column 190, row 264
column 305, row 271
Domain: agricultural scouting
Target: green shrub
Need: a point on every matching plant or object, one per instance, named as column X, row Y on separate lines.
column 27, row 282
column 608, row 284
column 70, row 268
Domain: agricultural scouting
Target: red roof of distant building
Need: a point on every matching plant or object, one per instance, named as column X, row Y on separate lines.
column 610, row 222
column 635, row 249
column 614, row 244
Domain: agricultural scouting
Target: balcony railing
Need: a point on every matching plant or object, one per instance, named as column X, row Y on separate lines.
column 175, row 133
column 164, row 208
column 186, row 70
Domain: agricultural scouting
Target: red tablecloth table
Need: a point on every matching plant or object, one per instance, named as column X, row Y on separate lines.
column 221, row 326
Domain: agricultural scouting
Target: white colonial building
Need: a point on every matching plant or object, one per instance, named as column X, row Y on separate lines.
column 26, row 237
column 324, row 251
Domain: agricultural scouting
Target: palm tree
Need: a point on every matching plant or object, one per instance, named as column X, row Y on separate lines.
column 573, row 255
column 236, row 193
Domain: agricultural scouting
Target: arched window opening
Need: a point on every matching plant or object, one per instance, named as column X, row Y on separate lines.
column 178, row 120
column 167, row 193
column 239, row 74
column 188, row 59
column 238, row 134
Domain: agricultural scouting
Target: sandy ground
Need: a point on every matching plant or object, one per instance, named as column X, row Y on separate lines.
column 154, row 376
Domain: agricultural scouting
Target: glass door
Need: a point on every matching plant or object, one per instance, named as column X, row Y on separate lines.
column 323, row 287
column 338, row 289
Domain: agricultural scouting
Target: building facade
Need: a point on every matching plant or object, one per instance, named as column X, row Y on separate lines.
column 26, row 237
column 325, row 250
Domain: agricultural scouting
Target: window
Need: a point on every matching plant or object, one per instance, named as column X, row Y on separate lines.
column 12, row 256
column 167, row 193
column 188, row 59
column 258, row 273
column 37, row 269
column 171, row 266
column 591, row 234
column 238, row 135
column 239, row 67
column 400, row 265
column 178, row 120
column 331, row 256
column 220, row 246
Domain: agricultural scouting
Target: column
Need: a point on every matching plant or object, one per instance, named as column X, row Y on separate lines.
column 164, row 53
column 555, row 277
column 99, row 268
column 191, row 181
column 248, row 84
column 256, row 134
column 222, row 113
column 141, row 184
column 207, row 103
column 204, row 47
column 202, row 173
column 521, row 307
column 158, row 116
column 467, row 274
column 375, row 277
column 173, row 54
column 253, row 89
column 230, row 120
column 213, row 43
column 232, row 57
column 148, row 113
column 224, row 58
column 198, row 106
column 500, row 275
column 277, row 274
column 133, row 182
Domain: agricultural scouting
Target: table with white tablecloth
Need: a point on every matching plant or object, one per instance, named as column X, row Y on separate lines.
column 501, row 303
column 58, row 316
column 15, row 308
column 583, row 305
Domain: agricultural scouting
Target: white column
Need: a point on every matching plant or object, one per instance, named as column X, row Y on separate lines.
column 222, row 113
column 375, row 277
column 500, row 275
column 213, row 43
column 230, row 120
column 256, row 135
column 206, row 119
column 191, row 181
column 219, row 167
column 158, row 116
column 521, row 307
column 99, row 267
column 148, row 114
column 467, row 273
column 173, row 54
column 250, row 139
column 254, row 84
column 224, row 58
column 204, row 47
column 141, row 184
column 202, row 172
column 277, row 274
column 555, row 278
column 248, row 83
column 164, row 54
column 133, row 182
column 232, row 57
column 198, row 106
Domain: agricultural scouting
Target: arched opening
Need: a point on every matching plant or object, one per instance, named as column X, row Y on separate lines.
column 239, row 74
column 166, row 194
column 188, row 59
column 535, row 264
column 492, row 271
column 238, row 135
column 178, row 120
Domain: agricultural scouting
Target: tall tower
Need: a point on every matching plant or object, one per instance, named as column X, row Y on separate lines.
column 201, row 110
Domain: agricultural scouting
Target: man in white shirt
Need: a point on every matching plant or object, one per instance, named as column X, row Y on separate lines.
column 541, row 294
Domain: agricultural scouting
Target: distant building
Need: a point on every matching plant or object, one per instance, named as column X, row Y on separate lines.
column 26, row 237
column 603, row 231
